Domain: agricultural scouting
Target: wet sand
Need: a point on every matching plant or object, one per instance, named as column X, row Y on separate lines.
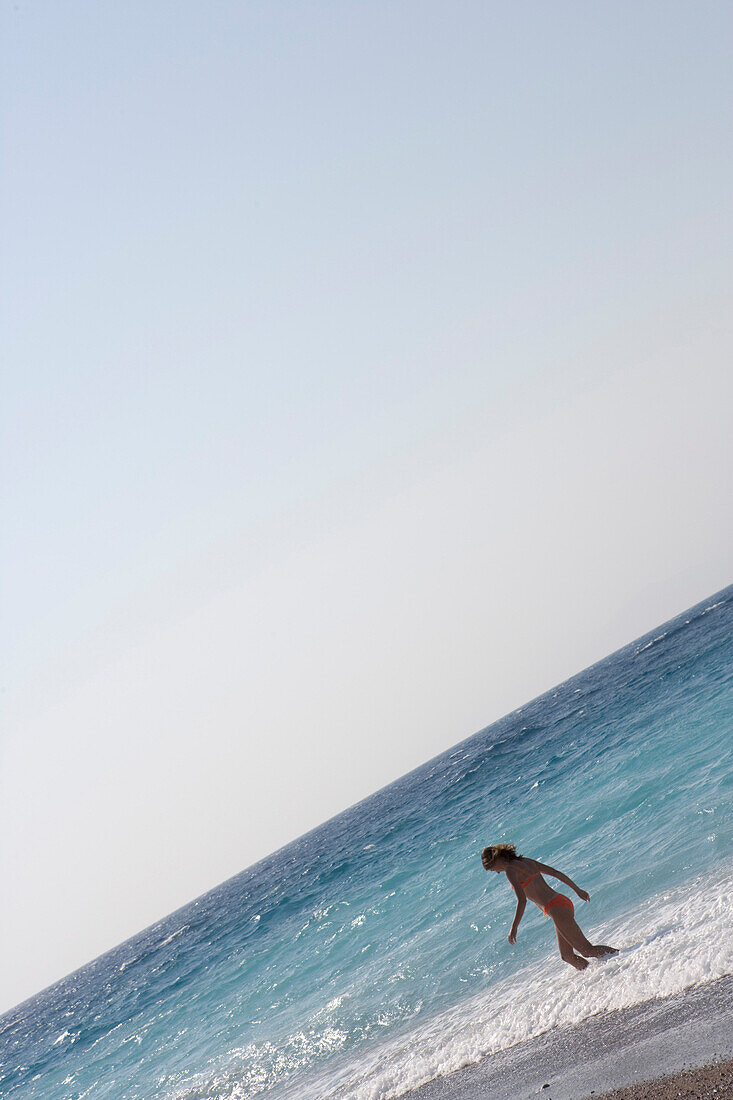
column 714, row 1082
column 674, row 1043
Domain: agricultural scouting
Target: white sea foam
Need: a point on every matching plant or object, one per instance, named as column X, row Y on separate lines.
column 668, row 944
column 654, row 641
column 63, row 1037
column 173, row 935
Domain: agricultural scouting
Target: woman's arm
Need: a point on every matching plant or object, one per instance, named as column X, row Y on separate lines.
column 564, row 878
column 521, row 906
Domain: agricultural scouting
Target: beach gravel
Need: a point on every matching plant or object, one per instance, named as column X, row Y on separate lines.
column 713, row 1082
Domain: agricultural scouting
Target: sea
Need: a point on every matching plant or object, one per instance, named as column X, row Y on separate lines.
column 371, row 955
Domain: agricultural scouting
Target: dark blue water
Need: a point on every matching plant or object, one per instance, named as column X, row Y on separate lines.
column 372, row 953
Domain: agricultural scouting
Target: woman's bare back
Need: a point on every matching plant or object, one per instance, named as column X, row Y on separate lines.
column 527, row 874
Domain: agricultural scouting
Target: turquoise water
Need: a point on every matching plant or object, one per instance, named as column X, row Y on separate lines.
column 372, row 954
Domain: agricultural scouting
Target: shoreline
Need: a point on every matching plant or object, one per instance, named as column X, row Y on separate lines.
column 712, row 1080
column 628, row 1049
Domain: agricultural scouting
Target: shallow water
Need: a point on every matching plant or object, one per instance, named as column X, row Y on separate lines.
column 371, row 954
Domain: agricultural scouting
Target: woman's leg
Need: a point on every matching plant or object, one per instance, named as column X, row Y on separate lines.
column 567, row 953
column 567, row 926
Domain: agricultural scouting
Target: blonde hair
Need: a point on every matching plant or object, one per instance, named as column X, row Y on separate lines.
column 492, row 853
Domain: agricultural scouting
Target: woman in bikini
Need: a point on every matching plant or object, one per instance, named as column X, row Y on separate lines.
column 525, row 877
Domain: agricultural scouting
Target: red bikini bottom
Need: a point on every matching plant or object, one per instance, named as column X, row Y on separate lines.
column 559, row 899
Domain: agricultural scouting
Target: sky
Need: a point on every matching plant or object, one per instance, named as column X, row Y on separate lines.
column 367, row 372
